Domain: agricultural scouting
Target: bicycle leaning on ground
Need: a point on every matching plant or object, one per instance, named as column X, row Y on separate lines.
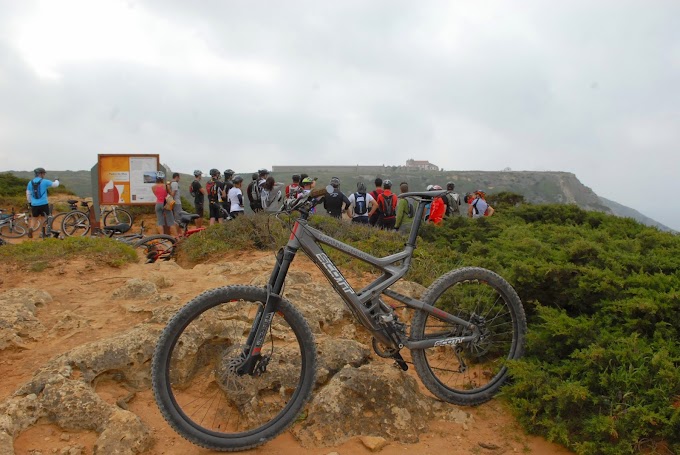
column 77, row 222
column 12, row 225
column 236, row 365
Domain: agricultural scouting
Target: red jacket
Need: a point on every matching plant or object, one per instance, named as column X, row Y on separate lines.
column 437, row 210
column 381, row 203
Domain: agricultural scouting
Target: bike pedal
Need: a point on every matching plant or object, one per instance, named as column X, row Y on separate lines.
column 399, row 360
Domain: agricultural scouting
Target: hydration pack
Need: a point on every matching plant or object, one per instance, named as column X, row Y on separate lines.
column 36, row 188
column 360, row 206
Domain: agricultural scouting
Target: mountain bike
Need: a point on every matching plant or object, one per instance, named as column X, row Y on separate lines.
column 12, row 225
column 76, row 222
column 235, row 366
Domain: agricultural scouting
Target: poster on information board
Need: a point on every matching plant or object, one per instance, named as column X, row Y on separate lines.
column 127, row 179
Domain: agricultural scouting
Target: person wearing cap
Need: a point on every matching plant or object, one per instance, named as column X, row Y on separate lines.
column 199, row 193
column 336, row 202
column 235, row 197
column 253, row 192
column 360, row 204
column 36, row 195
column 386, row 207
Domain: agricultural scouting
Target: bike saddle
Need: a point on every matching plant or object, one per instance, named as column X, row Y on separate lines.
column 185, row 217
column 424, row 194
column 117, row 228
column 72, row 201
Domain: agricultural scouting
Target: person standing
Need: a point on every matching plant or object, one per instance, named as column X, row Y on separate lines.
column 174, row 192
column 292, row 189
column 36, row 195
column 452, row 201
column 437, row 207
column 360, row 203
column 163, row 217
column 386, row 207
column 271, row 195
column 215, row 190
column 198, row 192
column 228, row 184
column 336, row 202
column 253, row 192
column 405, row 211
column 478, row 206
column 235, row 197
column 373, row 219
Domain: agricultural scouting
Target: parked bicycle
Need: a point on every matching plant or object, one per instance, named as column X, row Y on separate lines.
column 236, row 365
column 76, row 222
column 12, row 225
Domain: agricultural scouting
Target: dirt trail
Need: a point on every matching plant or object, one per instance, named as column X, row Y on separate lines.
column 82, row 311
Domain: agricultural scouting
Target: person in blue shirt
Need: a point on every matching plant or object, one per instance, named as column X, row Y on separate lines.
column 36, row 194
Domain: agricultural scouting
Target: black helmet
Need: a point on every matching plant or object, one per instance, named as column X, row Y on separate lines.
column 254, row 175
column 450, row 185
column 214, row 172
column 387, row 184
column 335, row 182
column 263, row 171
column 197, row 173
column 238, row 179
column 39, row 170
column 228, row 172
column 361, row 187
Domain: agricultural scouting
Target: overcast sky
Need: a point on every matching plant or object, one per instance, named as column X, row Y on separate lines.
column 590, row 87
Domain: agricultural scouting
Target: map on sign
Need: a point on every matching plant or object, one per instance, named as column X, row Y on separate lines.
column 127, row 179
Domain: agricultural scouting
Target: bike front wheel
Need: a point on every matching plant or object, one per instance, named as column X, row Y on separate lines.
column 195, row 366
column 12, row 230
column 159, row 247
column 469, row 373
column 75, row 224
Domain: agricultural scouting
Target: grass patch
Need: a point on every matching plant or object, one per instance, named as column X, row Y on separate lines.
column 37, row 256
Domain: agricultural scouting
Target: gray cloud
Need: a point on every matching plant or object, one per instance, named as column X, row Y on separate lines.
column 584, row 87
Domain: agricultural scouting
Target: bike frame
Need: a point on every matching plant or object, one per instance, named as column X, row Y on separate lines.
column 365, row 304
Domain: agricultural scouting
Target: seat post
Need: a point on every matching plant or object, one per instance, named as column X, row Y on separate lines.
column 417, row 220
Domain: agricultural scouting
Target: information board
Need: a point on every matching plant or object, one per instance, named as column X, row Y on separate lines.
column 127, row 179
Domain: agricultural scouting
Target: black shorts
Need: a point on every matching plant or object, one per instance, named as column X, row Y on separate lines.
column 215, row 210
column 361, row 219
column 200, row 209
column 40, row 210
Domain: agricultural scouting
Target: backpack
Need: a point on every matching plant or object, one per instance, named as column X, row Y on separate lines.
column 254, row 191
column 36, row 189
column 410, row 210
column 212, row 188
column 388, row 206
column 360, row 206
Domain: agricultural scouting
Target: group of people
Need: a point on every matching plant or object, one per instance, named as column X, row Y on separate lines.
column 379, row 207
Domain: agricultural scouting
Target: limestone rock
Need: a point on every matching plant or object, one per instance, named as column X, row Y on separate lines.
column 124, row 434
column 135, row 288
column 18, row 321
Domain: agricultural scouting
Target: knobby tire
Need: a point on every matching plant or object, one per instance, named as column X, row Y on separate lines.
column 483, row 370
column 195, row 363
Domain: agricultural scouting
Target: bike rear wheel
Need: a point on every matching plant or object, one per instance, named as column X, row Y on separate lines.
column 469, row 373
column 12, row 230
column 57, row 223
column 75, row 224
column 117, row 216
column 194, row 370
column 159, row 247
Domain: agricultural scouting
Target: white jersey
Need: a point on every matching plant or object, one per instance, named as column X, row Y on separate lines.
column 234, row 200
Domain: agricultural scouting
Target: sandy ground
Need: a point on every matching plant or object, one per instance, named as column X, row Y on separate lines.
column 85, row 291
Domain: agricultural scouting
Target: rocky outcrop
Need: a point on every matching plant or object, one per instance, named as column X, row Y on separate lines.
column 18, row 321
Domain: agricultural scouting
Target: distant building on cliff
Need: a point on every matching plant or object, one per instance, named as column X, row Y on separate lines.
column 422, row 165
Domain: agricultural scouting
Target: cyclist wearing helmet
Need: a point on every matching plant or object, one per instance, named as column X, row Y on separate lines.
column 386, row 207
column 452, row 201
column 360, row 203
column 336, row 202
column 198, row 192
column 235, row 198
column 163, row 217
column 215, row 190
column 253, row 192
column 36, row 195
column 437, row 207
column 228, row 184
column 306, row 187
